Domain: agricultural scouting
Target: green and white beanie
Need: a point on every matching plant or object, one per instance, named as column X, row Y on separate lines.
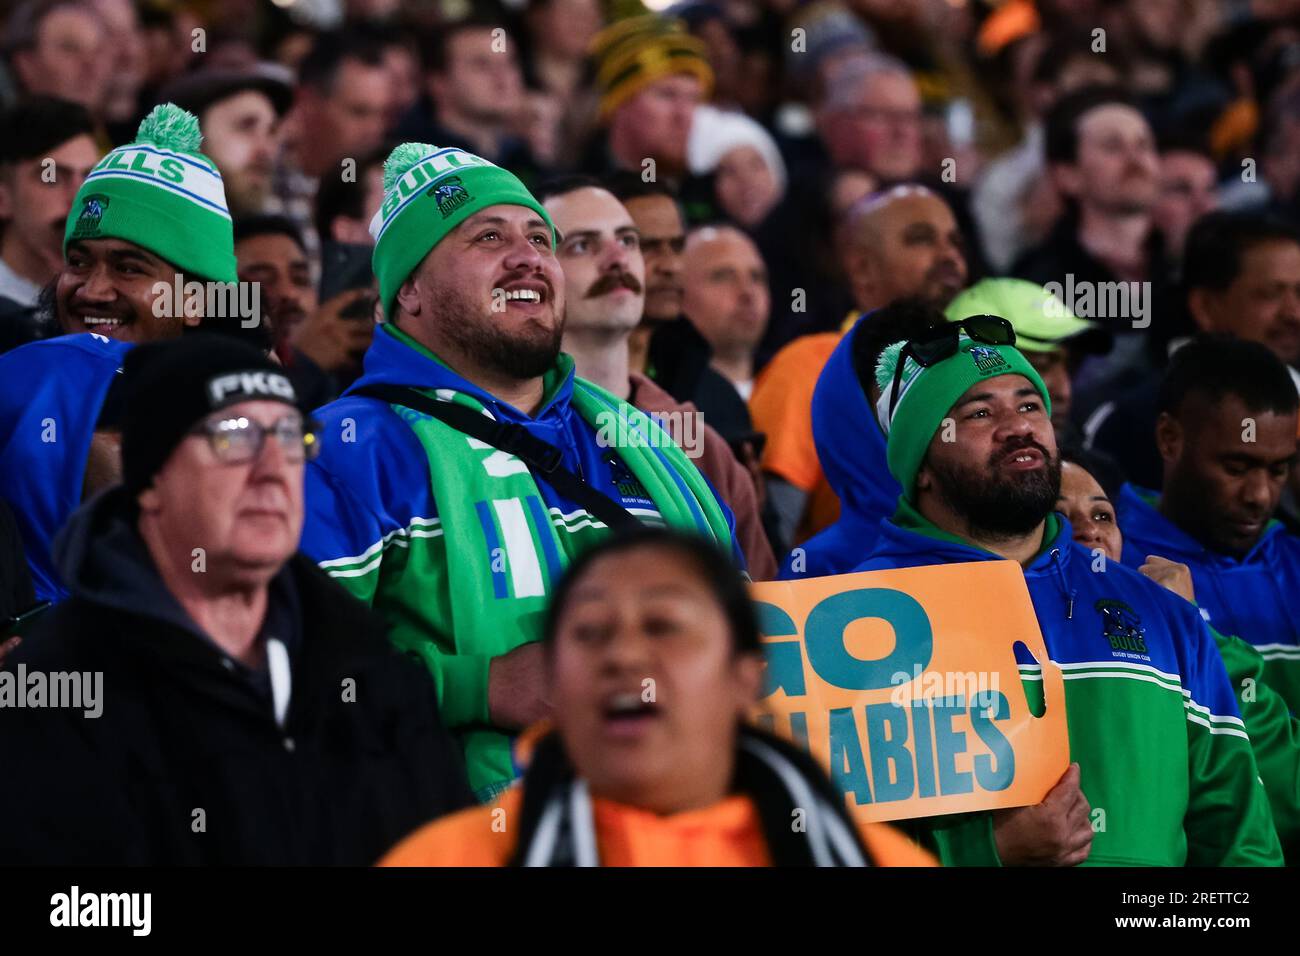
column 162, row 194
column 926, row 395
column 428, row 192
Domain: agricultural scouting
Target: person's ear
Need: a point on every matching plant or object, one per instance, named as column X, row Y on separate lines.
column 924, row 479
column 1199, row 307
column 749, row 669
column 1169, row 438
column 148, row 500
column 408, row 296
column 25, row 69
column 6, row 195
column 1065, row 177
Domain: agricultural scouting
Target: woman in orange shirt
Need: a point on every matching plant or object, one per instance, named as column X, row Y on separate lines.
column 654, row 661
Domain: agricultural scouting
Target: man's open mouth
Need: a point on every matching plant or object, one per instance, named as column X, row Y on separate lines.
column 102, row 323
column 523, row 295
column 531, row 292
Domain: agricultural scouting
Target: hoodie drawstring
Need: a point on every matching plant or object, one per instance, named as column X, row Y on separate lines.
column 1068, row 591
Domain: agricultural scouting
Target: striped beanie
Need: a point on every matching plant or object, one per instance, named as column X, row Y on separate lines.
column 927, row 394
column 428, row 192
column 633, row 53
column 162, row 194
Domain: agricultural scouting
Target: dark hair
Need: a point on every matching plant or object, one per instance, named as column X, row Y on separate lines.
column 1064, row 49
column 339, row 197
column 899, row 321
column 24, row 21
column 563, row 185
column 268, row 224
column 1218, row 240
column 34, row 125
column 1216, row 366
column 626, row 184
column 1061, row 138
column 1101, row 466
column 712, row 567
column 320, row 67
column 436, row 46
column 1182, row 139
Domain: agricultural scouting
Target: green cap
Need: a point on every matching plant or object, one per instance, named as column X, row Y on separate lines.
column 1041, row 320
column 162, row 194
column 926, row 395
column 428, row 192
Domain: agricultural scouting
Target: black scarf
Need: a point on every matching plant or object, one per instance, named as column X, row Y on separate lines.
column 557, row 828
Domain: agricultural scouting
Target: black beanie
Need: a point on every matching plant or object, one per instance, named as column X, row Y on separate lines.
column 169, row 387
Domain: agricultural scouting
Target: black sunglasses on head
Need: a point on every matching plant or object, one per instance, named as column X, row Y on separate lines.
column 941, row 342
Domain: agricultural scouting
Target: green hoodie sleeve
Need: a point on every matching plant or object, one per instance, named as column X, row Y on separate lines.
column 959, row 839
column 1228, row 821
column 1274, row 736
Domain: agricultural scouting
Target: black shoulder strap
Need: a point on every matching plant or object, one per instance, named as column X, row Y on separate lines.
column 543, row 458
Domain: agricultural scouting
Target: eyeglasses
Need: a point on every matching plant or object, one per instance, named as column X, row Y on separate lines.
column 237, row 441
column 942, row 341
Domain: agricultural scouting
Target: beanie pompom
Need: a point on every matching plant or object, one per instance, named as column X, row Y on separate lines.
column 170, row 127
column 888, row 364
column 401, row 159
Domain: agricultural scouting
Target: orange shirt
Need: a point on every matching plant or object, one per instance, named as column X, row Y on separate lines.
column 781, row 408
column 725, row 834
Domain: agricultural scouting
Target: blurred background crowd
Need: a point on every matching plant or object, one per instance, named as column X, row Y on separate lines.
column 775, row 117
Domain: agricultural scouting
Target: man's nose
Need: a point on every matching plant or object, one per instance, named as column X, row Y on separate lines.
column 272, row 460
column 523, row 254
column 1257, row 489
column 1289, row 307
column 98, row 286
column 615, row 258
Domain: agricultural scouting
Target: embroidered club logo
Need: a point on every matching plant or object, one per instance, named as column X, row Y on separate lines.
column 450, row 194
column 988, row 360
column 627, row 484
column 1122, row 626
column 92, row 211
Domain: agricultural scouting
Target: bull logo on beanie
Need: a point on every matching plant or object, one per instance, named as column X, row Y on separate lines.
column 989, row 360
column 450, row 194
column 92, row 212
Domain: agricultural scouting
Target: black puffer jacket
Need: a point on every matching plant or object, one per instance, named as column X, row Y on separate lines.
column 187, row 763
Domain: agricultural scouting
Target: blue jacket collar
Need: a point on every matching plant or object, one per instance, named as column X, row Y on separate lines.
column 394, row 358
column 910, row 533
column 1141, row 518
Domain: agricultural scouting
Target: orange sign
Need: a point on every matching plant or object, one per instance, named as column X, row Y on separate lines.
column 905, row 683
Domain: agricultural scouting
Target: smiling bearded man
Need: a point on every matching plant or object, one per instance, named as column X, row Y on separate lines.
column 151, row 215
column 467, row 466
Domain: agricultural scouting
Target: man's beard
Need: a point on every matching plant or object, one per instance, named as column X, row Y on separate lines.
column 1000, row 508
column 529, row 354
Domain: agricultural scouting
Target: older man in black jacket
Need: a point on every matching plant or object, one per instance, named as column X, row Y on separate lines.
column 233, row 704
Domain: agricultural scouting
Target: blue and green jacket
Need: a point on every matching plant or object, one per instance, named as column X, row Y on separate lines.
column 1165, row 761
column 1255, row 597
column 51, row 396
column 373, row 524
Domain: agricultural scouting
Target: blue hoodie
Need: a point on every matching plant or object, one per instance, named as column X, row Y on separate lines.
column 851, row 448
column 51, row 393
column 371, row 478
column 1153, row 722
column 1255, row 597
column 373, row 524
